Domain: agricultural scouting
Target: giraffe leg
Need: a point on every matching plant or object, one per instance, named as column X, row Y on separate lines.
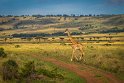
column 72, row 55
column 82, row 54
column 76, row 58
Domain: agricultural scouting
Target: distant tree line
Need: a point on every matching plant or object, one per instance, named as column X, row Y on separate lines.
column 113, row 30
column 2, row 29
column 44, row 34
column 58, row 15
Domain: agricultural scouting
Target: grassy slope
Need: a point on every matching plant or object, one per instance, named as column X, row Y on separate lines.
column 109, row 58
column 115, row 20
column 38, row 26
column 24, row 54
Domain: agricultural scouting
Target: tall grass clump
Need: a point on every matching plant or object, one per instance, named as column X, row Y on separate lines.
column 109, row 58
column 28, row 69
column 17, row 46
column 2, row 53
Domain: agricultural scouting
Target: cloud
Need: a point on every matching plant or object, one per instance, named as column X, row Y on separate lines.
column 115, row 2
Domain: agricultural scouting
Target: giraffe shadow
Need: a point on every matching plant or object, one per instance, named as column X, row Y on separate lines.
column 79, row 61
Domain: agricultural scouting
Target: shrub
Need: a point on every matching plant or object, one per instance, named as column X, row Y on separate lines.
column 2, row 53
column 29, row 68
column 10, row 70
column 107, row 44
column 17, row 46
column 62, row 43
column 51, row 74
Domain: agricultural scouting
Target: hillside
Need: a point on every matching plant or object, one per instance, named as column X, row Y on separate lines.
column 115, row 20
column 57, row 24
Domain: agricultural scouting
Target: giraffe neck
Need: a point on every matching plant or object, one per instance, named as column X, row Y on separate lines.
column 71, row 39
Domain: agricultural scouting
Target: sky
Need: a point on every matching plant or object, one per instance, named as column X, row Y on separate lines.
column 31, row 7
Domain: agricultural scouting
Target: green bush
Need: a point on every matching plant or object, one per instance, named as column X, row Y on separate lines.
column 51, row 74
column 10, row 70
column 29, row 68
column 17, row 46
column 2, row 53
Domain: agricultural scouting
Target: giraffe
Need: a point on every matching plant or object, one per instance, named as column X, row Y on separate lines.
column 75, row 46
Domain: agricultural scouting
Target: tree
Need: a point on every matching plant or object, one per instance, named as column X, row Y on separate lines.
column 44, row 38
column 94, row 38
column 82, row 38
column 94, row 15
column 106, row 37
column 23, row 38
column 90, row 14
column 97, row 39
column 73, row 15
column 61, row 38
column 5, row 39
column 81, row 15
column 29, row 39
column 110, row 38
column 53, row 39
column 38, row 38
column 90, row 38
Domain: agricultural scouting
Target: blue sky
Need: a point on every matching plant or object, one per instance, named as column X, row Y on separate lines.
column 19, row 7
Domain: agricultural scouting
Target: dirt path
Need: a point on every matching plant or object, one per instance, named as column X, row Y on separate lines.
column 92, row 75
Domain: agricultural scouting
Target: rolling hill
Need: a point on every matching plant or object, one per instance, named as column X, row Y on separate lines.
column 57, row 24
